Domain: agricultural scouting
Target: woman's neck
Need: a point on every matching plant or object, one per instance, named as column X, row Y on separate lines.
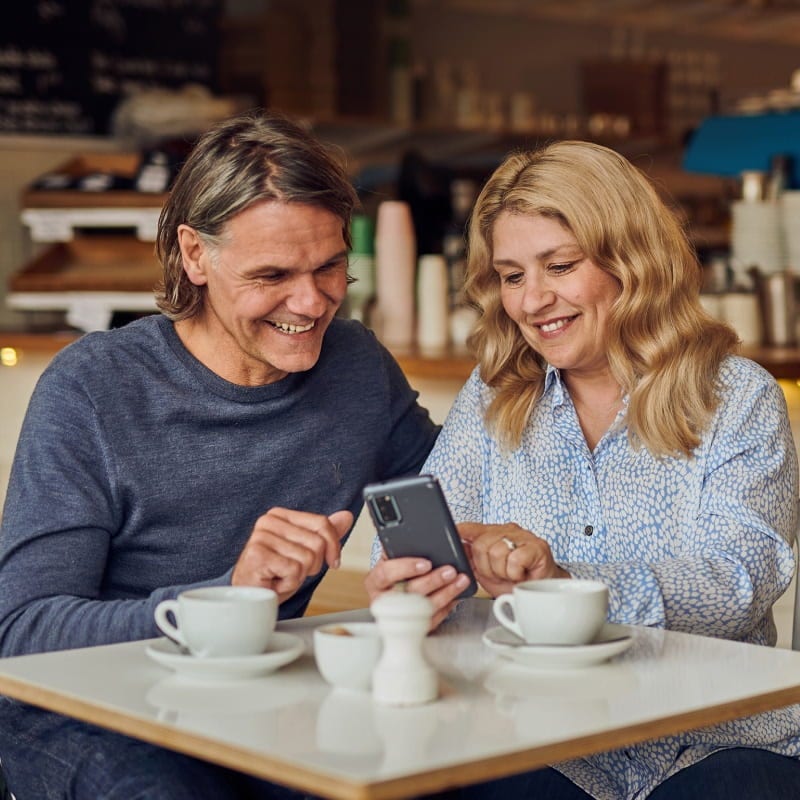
column 597, row 399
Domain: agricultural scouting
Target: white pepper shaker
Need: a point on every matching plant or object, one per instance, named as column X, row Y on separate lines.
column 403, row 677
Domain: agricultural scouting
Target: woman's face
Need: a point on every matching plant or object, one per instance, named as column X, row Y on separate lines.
column 557, row 296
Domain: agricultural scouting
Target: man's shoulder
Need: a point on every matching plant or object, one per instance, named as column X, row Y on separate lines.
column 353, row 354
column 349, row 332
column 348, row 343
column 100, row 351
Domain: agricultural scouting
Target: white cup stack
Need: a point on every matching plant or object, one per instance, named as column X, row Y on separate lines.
column 756, row 238
column 395, row 272
column 433, row 309
column 790, row 221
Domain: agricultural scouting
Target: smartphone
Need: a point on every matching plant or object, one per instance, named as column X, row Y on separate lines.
column 412, row 519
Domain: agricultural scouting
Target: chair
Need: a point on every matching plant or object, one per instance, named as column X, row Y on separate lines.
column 796, row 621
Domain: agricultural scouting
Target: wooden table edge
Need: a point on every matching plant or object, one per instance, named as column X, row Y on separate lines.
column 326, row 785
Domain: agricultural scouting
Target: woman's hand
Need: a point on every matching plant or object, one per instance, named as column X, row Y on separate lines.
column 441, row 586
column 503, row 555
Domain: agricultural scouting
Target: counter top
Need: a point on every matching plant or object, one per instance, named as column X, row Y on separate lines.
column 781, row 362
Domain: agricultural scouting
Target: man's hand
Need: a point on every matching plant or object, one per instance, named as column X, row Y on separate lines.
column 287, row 546
column 441, row 586
column 503, row 555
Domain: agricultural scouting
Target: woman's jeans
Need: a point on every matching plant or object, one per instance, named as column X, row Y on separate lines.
column 736, row 774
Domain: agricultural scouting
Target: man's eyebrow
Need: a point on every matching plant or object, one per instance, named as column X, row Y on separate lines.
column 336, row 257
column 340, row 256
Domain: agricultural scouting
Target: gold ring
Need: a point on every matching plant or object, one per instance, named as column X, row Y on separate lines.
column 509, row 544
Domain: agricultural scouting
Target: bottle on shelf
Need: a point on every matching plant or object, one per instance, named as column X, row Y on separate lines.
column 361, row 266
column 463, row 192
column 400, row 62
column 778, row 179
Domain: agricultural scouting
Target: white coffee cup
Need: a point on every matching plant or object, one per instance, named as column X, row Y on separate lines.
column 221, row 621
column 346, row 654
column 554, row 610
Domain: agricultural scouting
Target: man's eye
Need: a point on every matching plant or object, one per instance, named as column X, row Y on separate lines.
column 333, row 266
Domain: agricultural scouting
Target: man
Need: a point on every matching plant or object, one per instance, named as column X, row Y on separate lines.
column 225, row 441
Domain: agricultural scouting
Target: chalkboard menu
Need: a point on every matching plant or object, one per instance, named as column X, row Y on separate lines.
column 66, row 64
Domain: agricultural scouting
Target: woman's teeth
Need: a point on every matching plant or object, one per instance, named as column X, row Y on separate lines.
column 287, row 328
column 553, row 326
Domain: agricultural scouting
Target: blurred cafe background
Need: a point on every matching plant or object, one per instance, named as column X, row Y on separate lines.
column 101, row 99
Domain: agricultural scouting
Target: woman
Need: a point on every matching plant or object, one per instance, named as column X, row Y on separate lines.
column 610, row 432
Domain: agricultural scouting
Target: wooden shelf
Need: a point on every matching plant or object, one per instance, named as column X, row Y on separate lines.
column 91, row 264
column 122, row 164
column 782, row 362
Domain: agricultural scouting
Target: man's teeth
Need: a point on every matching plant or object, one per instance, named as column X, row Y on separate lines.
column 553, row 326
column 287, row 328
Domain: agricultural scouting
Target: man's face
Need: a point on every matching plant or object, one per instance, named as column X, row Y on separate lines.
column 272, row 288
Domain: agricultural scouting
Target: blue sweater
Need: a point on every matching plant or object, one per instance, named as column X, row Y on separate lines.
column 140, row 473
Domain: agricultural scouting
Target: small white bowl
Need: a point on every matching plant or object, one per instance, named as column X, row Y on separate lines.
column 347, row 653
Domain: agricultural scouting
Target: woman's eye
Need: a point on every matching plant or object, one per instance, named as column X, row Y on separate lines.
column 559, row 268
column 512, row 278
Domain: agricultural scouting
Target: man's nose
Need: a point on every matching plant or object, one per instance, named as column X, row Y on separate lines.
column 307, row 297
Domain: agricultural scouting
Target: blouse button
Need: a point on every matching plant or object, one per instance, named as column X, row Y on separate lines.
column 588, row 530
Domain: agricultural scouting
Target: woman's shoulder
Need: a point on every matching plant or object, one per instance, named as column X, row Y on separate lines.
column 475, row 388
column 736, row 371
column 745, row 388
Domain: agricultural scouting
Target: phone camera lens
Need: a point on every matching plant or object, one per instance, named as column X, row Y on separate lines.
column 388, row 513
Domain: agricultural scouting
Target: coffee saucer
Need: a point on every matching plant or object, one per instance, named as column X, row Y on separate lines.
column 611, row 641
column 283, row 649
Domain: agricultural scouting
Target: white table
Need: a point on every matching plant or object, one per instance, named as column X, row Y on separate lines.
column 494, row 717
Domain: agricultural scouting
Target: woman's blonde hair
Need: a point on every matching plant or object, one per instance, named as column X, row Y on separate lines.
column 663, row 349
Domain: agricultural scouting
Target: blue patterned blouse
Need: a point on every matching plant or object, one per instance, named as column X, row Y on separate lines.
column 700, row 545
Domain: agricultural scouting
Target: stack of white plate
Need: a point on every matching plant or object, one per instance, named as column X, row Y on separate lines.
column 756, row 238
column 790, row 221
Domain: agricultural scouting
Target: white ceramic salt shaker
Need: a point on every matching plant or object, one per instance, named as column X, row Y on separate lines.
column 403, row 677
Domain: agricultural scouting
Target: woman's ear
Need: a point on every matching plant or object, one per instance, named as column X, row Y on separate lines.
column 194, row 254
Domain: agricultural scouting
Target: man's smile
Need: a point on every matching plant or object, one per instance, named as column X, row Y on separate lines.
column 287, row 327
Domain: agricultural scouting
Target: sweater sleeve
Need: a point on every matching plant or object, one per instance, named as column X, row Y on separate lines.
column 62, row 510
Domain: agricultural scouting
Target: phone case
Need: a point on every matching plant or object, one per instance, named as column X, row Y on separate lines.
column 412, row 519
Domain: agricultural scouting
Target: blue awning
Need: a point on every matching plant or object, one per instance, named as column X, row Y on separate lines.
column 729, row 145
